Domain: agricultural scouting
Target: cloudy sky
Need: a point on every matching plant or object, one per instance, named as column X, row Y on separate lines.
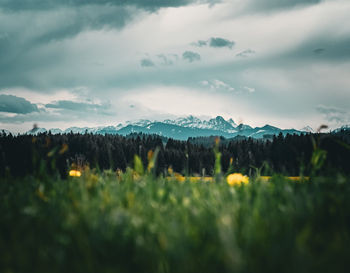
column 92, row 63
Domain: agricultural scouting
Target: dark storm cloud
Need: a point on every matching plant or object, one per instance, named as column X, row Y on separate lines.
column 64, row 22
column 216, row 42
column 28, row 39
column 64, row 110
column 13, row 104
column 28, row 26
column 75, row 106
column 147, row 63
column 191, row 56
column 52, row 4
column 221, row 42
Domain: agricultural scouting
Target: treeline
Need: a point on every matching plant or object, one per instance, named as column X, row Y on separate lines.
column 51, row 154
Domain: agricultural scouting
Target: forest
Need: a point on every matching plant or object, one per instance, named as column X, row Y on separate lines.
column 56, row 154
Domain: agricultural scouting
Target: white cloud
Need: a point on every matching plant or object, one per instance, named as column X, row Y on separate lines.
column 249, row 89
column 217, row 85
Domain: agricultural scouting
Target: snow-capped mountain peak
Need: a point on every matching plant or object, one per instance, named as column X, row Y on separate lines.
column 242, row 127
column 189, row 121
column 36, row 131
column 56, row 131
column 307, row 129
column 141, row 122
column 182, row 128
column 218, row 123
column 233, row 124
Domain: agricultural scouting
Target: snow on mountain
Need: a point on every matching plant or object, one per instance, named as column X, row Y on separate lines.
column 181, row 128
column 82, row 130
column 36, row 131
column 218, row 123
column 243, row 127
column 77, row 130
column 56, row 131
column 141, row 123
column 232, row 123
column 307, row 129
column 119, row 126
column 190, row 121
column 111, row 130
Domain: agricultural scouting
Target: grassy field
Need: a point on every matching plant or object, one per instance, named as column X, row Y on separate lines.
column 110, row 222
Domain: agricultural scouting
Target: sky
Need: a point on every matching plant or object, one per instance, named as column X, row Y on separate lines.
column 92, row 63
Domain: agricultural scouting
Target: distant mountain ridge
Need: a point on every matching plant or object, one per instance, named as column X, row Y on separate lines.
column 182, row 128
column 218, row 123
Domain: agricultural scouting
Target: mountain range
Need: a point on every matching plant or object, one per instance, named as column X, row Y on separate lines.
column 181, row 128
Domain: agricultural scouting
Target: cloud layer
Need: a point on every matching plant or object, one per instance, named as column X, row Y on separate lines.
column 19, row 5
column 215, row 42
column 269, row 5
column 252, row 57
column 75, row 106
column 191, row 56
column 13, row 104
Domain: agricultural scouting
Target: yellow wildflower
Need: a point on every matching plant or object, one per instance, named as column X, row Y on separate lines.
column 179, row 177
column 236, row 179
column 74, row 173
column 170, row 171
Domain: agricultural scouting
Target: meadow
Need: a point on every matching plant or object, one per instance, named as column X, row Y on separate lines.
column 137, row 220
column 109, row 222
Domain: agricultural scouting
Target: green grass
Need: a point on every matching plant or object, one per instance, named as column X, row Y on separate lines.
column 105, row 223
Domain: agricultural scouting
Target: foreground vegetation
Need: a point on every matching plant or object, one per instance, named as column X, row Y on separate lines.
column 123, row 222
column 149, row 218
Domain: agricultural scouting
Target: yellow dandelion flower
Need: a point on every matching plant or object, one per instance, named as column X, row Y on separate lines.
column 237, row 179
column 179, row 177
column 194, row 179
column 74, row 173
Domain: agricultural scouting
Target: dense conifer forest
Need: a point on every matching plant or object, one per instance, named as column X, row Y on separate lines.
column 290, row 155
